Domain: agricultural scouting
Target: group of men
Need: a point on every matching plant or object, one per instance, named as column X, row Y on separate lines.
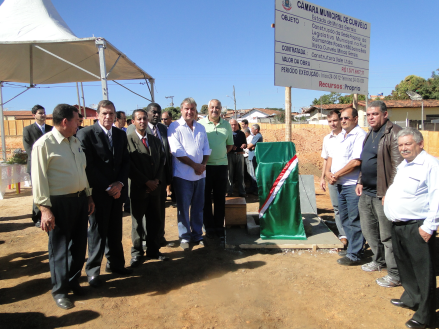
column 385, row 190
column 82, row 176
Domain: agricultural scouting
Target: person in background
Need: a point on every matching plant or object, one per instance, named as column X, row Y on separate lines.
column 31, row 134
column 166, row 118
column 257, row 138
column 235, row 160
column 334, row 123
column 248, row 156
column 121, row 120
column 412, row 204
column 129, row 122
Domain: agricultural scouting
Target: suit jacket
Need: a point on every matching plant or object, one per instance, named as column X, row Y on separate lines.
column 164, row 138
column 31, row 134
column 145, row 165
column 105, row 165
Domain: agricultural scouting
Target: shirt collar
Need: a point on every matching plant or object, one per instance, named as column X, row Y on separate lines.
column 420, row 158
column 42, row 126
column 183, row 122
column 105, row 129
column 58, row 136
column 140, row 136
column 206, row 119
column 352, row 132
column 151, row 126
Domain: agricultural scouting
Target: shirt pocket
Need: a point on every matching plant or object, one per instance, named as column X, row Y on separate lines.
column 411, row 185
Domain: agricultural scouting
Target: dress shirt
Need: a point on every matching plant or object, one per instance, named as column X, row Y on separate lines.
column 143, row 137
column 246, row 150
column 328, row 143
column 42, row 127
column 346, row 149
column 105, row 129
column 151, row 126
column 414, row 194
column 58, row 167
column 183, row 141
column 219, row 136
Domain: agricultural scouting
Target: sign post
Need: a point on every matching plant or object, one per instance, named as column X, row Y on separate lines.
column 320, row 49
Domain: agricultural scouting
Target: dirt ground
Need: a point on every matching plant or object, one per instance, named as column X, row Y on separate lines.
column 208, row 287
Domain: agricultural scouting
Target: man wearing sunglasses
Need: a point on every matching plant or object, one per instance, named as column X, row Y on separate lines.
column 343, row 168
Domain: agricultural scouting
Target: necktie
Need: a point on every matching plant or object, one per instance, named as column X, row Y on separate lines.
column 43, row 129
column 144, row 143
column 155, row 132
column 110, row 140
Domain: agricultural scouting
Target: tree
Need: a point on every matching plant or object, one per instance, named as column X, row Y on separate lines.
column 331, row 98
column 204, row 109
column 176, row 114
column 411, row 82
column 348, row 99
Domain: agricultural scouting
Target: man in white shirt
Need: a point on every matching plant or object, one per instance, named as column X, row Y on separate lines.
column 328, row 142
column 342, row 168
column 190, row 150
column 412, row 204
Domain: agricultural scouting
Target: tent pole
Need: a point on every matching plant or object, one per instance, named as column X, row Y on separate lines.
column 2, row 124
column 100, row 43
column 83, row 101
column 79, row 101
column 152, row 82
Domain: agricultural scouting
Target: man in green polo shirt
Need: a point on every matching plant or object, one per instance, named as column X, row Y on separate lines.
column 220, row 136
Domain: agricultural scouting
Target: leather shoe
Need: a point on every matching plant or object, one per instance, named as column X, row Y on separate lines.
column 76, row 288
column 184, row 246
column 38, row 224
column 121, row 271
column 414, row 324
column 136, row 261
column 347, row 261
column 399, row 303
column 158, row 256
column 94, row 281
column 64, row 303
column 167, row 244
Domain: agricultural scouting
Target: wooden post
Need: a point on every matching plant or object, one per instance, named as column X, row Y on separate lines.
column 288, row 114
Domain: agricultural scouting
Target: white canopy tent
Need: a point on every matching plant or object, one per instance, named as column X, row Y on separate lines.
column 37, row 47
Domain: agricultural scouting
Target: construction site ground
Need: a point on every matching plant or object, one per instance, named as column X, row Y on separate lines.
column 208, row 287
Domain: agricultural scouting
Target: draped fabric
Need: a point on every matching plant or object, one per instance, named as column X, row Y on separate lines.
column 277, row 176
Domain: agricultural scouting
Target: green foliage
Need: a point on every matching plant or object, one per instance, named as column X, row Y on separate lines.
column 176, row 114
column 204, row 109
column 18, row 157
column 411, row 82
column 331, row 98
column 275, row 109
column 281, row 117
column 348, row 99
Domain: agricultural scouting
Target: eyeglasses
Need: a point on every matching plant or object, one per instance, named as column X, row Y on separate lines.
column 345, row 118
column 164, row 119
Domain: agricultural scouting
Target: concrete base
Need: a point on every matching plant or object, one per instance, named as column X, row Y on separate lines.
column 319, row 236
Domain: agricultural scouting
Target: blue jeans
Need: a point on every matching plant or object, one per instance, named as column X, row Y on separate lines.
column 350, row 219
column 189, row 194
column 333, row 193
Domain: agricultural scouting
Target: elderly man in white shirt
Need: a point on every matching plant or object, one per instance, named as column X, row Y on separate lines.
column 412, row 204
column 190, row 150
column 343, row 168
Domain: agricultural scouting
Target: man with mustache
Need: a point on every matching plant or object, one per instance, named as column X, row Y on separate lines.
column 412, row 204
column 379, row 160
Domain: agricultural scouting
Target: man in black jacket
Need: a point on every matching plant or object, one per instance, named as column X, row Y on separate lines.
column 107, row 170
column 31, row 134
column 146, row 177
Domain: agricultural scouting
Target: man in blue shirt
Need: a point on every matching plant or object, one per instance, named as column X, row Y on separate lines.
column 412, row 204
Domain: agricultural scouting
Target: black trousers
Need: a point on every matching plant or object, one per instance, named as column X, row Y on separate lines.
column 67, row 242
column 216, row 181
column 146, row 224
column 105, row 234
column 415, row 260
column 163, row 195
column 36, row 213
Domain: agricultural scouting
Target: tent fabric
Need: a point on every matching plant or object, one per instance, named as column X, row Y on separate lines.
column 283, row 219
column 24, row 20
column 25, row 24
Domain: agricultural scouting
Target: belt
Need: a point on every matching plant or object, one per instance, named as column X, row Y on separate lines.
column 409, row 222
column 79, row 194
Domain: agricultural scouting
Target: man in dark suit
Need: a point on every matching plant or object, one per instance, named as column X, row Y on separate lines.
column 146, row 176
column 31, row 134
column 105, row 148
column 159, row 130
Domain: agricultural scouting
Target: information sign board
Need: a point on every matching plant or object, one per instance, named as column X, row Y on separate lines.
column 320, row 49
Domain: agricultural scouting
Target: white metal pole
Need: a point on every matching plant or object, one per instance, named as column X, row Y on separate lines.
column 79, row 101
column 100, row 43
column 422, row 118
column 287, row 114
column 2, row 124
column 83, row 101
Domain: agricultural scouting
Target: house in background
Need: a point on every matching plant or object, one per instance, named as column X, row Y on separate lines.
column 91, row 113
column 20, row 115
column 256, row 115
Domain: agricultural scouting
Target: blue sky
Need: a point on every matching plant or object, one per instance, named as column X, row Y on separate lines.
column 202, row 48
